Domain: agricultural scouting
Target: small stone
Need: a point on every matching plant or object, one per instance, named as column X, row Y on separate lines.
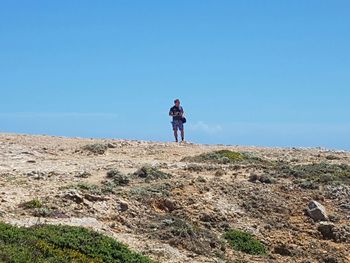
column 253, row 178
column 122, row 207
column 265, row 179
column 219, row 173
column 201, row 179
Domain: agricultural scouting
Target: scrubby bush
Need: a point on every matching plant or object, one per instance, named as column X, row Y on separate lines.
column 310, row 176
column 145, row 193
column 96, row 148
column 42, row 212
column 323, row 172
column 306, row 184
column 117, row 177
column 182, row 233
column 91, row 188
column 245, row 242
column 48, row 243
column 151, row 173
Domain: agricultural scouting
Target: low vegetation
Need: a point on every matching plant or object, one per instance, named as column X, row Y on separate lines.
column 245, row 242
column 150, row 173
column 96, row 148
column 114, row 180
column 117, row 177
column 47, row 243
column 35, row 203
column 221, row 157
column 145, row 193
column 311, row 176
column 91, row 188
column 182, row 233
column 323, row 172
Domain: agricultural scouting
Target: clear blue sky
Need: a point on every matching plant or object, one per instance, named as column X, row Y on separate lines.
column 272, row 73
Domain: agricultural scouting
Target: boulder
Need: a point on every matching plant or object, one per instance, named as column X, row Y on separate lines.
column 317, row 211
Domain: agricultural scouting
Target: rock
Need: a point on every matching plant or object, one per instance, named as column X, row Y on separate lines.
column 95, row 198
column 165, row 205
column 87, row 203
column 342, row 234
column 122, row 206
column 36, row 175
column 283, row 250
column 265, row 179
column 201, row 179
column 339, row 234
column 111, row 145
column 206, row 218
column 345, row 207
column 83, row 175
column 74, row 196
column 331, row 259
column 219, row 173
column 327, row 230
column 2, row 213
column 317, row 211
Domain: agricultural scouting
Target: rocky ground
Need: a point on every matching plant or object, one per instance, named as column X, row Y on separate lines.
column 175, row 202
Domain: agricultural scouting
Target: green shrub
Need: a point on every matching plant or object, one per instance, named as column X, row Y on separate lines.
column 48, row 243
column 232, row 156
column 245, row 242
